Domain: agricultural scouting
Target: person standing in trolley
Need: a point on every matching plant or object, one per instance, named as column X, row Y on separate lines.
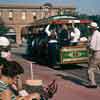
column 75, row 35
column 52, row 46
column 94, row 61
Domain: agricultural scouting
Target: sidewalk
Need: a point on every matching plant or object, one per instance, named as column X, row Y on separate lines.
column 67, row 90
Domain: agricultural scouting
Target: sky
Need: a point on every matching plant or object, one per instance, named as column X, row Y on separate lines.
column 83, row 6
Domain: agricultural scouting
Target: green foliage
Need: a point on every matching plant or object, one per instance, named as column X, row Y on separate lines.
column 3, row 28
column 95, row 18
column 83, row 16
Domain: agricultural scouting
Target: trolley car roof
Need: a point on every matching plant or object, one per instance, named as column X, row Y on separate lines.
column 59, row 20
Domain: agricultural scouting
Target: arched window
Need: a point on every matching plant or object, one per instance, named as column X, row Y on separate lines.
column 0, row 13
column 23, row 15
column 34, row 15
column 10, row 15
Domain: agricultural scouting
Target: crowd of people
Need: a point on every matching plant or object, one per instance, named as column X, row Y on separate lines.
column 64, row 35
column 74, row 39
column 10, row 72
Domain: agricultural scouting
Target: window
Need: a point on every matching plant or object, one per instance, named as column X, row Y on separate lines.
column 10, row 15
column 34, row 14
column 23, row 15
column 0, row 13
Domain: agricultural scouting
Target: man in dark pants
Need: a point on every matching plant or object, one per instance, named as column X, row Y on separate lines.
column 52, row 49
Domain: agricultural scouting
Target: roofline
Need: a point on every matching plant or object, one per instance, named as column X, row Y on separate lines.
column 31, row 6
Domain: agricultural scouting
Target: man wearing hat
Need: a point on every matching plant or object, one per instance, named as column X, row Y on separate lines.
column 5, row 53
column 94, row 61
column 5, row 48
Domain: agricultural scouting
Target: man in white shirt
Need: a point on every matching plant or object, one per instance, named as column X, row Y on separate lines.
column 47, row 30
column 50, row 31
column 75, row 35
column 94, row 61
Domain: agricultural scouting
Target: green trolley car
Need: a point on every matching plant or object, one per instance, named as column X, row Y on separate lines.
column 66, row 54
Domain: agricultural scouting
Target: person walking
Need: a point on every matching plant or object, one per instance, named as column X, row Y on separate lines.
column 94, row 60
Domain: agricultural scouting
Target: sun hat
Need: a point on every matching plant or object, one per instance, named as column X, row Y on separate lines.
column 4, row 41
column 93, row 25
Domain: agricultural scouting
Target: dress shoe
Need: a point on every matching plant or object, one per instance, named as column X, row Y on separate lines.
column 91, row 86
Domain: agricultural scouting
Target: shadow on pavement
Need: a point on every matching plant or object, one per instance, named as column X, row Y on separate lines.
column 70, row 66
column 67, row 67
column 35, row 59
column 74, row 80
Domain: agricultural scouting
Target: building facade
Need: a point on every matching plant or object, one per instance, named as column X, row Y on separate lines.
column 19, row 16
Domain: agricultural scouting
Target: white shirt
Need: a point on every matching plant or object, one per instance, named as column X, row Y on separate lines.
column 52, row 41
column 75, row 35
column 95, row 40
column 47, row 30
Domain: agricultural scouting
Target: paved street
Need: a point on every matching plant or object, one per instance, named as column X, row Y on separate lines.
column 70, row 80
column 80, row 72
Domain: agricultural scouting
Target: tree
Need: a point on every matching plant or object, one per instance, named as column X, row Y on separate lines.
column 3, row 27
column 95, row 18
